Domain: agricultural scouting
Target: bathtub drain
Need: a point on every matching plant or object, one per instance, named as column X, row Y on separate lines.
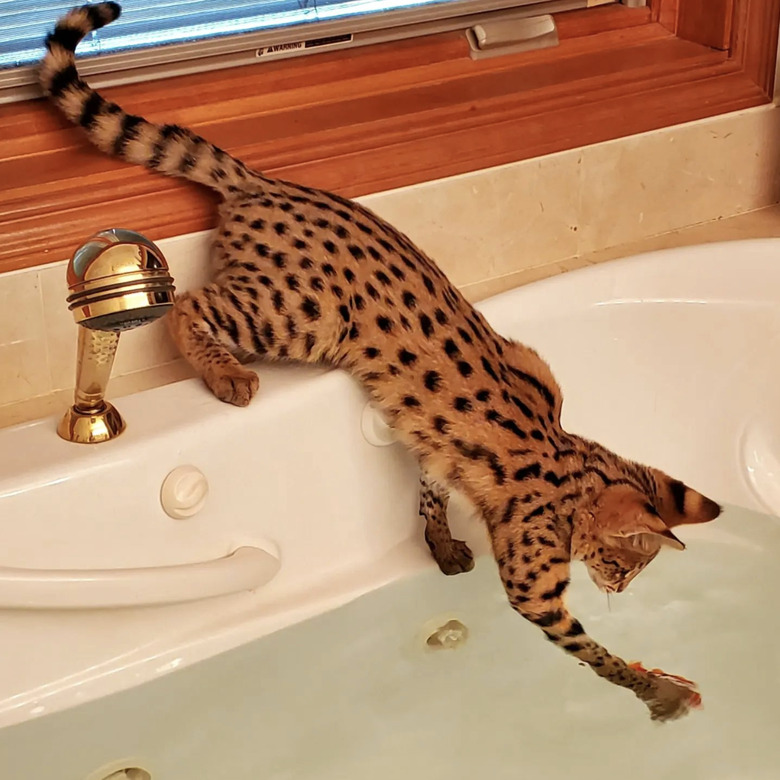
column 449, row 636
column 128, row 773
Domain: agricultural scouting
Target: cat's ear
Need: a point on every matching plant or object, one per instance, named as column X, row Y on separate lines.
column 625, row 517
column 680, row 505
column 649, row 541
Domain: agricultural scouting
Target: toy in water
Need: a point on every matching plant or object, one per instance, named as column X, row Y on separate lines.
column 691, row 699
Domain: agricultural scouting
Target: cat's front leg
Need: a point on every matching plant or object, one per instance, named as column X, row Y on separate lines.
column 534, row 569
column 202, row 336
column 452, row 555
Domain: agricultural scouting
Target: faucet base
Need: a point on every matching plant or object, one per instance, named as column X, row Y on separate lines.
column 91, row 427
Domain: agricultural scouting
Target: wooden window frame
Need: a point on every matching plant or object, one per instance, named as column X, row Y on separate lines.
column 372, row 119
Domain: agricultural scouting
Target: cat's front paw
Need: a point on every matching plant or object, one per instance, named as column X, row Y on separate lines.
column 670, row 697
column 233, row 385
column 456, row 559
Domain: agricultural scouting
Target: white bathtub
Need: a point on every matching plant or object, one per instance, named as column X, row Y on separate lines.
column 671, row 358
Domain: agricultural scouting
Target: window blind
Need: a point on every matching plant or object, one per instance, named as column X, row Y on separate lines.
column 150, row 23
column 164, row 38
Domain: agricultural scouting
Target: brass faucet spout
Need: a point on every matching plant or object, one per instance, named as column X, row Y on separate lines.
column 118, row 280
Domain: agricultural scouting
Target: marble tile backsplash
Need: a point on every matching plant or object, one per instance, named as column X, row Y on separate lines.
column 489, row 230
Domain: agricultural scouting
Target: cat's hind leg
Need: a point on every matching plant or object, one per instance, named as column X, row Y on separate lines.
column 452, row 555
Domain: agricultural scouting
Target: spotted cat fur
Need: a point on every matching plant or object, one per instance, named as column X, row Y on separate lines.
column 306, row 275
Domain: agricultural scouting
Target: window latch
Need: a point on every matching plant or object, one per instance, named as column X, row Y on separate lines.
column 507, row 36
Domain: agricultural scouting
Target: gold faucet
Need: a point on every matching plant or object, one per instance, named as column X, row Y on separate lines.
column 118, row 280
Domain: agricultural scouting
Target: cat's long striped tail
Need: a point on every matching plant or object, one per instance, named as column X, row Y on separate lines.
column 169, row 149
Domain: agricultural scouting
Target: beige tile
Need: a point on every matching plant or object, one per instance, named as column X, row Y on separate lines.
column 657, row 182
column 478, row 291
column 492, row 222
column 763, row 223
column 23, row 351
column 20, row 307
column 156, row 376
column 60, row 327
column 189, row 259
column 34, row 408
column 23, row 370
column 55, row 402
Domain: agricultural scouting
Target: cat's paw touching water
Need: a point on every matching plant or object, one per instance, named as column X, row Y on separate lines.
column 671, row 697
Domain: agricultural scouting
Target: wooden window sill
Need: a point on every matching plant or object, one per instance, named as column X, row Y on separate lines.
column 368, row 120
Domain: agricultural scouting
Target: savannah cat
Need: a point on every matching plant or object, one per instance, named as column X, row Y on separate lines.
column 305, row 275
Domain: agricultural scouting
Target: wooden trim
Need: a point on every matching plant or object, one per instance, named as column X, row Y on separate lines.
column 754, row 41
column 707, row 22
column 369, row 120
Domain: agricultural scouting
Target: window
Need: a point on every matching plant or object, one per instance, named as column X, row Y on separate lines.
column 399, row 113
column 152, row 34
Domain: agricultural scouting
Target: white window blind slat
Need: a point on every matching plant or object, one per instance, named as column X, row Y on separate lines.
column 147, row 23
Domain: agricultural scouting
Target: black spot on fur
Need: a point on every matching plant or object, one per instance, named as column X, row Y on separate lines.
column 426, row 325
column 486, row 364
column 67, row 37
column 441, row 424
column 528, row 472
column 129, row 131
column 466, row 336
column 557, row 591
column 432, row 381
column 90, row 110
column 547, row 619
column 509, row 510
column 678, row 490
column 311, row 308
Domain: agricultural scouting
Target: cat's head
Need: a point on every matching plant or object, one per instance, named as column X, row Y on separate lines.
column 624, row 528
